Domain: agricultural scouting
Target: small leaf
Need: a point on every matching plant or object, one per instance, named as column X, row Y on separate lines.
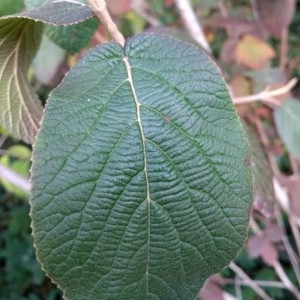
column 253, row 52
column 140, row 188
column 267, row 75
column 276, row 15
column 269, row 253
column 72, row 38
column 288, row 125
column 48, row 61
column 264, row 197
column 20, row 108
column 20, row 37
column 240, row 86
column 20, row 166
column 273, row 233
column 119, row 8
column 254, row 245
column 58, row 12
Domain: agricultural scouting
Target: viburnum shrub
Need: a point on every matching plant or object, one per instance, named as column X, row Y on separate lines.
column 141, row 185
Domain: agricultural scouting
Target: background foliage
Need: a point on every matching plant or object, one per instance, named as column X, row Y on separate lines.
column 252, row 55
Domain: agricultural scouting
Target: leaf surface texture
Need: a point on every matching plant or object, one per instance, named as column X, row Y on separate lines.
column 140, row 186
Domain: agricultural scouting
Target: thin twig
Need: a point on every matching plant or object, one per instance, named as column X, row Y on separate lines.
column 266, row 95
column 276, row 265
column 139, row 6
column 289, row 250
column 192, row 23
column 295, row 232
column 261, row 283
column 15, row 179
column 100, row 10
column 249, row 281
column 284, row 49
column 285, row 279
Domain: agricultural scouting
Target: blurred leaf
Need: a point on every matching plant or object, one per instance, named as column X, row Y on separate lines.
column 20, row 166
column 269, row 253
column 294, row 190
column 47, row 61
column 72, row 38
column 212, row 288
column 175, row 33
column 208, row 4
column 19, row 151
column 267, row 75
column 20, row 270
column 275, row 15
column 228, row 49
column 253, row 52
column 33, row 4
column 9, row 7
column 58, row 12
column 133, row 23
column 240, row 86
column 119, row 8
column 254, row 244
column 287, row 119
column 262, row 175
column 20, row 108
column 20, row 35
column 273, row 232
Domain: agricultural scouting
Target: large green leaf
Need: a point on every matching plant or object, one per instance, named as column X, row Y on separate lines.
column 20, row 108
column 287, row 118
column 140, row 185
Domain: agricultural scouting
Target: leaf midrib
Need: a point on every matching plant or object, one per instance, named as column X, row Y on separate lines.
column 139, row 120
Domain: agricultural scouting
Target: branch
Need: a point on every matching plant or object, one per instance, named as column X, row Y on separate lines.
column 139, row 6
column 15, row 179
column 266, row 95
column 249, row 281
column 100, row 10
column 191, row 23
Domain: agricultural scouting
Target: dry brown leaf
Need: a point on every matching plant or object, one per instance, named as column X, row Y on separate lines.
column 275, row 15
column 254, row 245
column 240, row 86
column 253, row 52
column 273, row 233
column 295, row 196
column 118, row 8
column 228, row 48
column 236, row 27
column 269, row 253
column 212, row 288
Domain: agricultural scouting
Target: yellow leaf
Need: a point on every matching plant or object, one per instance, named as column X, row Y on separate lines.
column 240, row 86
column 253, row 52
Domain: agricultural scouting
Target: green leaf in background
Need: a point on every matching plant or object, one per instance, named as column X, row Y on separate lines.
column 8, row 7
column 47, row 62
column 20, row 36
column 264, row 197
column 287, row 118
column 35, row 4
column 20, row 108
column 140, row 186
column 58, row 12
column 267, row 75
column 17, row 158
column 73, row 38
